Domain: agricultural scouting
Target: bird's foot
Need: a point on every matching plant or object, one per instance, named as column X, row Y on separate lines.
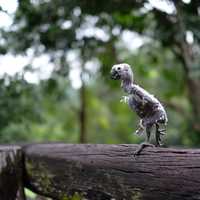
column 141, row 147
column 124, row 99
column 139, row 131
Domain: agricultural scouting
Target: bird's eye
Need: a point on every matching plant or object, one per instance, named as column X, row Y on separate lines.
column 119, row 68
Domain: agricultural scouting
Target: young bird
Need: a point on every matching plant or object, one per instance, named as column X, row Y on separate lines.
column 147, row 107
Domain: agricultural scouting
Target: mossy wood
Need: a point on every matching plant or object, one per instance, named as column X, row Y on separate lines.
column 11, row 167
column 111, row 172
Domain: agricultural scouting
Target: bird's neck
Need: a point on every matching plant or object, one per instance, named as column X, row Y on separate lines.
column 127, row 85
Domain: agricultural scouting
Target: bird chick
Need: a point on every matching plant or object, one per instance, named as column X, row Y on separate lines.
column 146, row 106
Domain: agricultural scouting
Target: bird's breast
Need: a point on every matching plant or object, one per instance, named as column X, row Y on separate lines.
column 142, row 109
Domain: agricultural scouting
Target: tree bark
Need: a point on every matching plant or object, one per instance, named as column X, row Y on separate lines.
column 111, row 172
column 11, row 165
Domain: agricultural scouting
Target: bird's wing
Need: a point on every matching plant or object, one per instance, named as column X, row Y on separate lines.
column 143, row 96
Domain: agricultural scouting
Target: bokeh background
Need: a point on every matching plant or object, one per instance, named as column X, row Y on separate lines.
column 55, row 59
column 55, row 62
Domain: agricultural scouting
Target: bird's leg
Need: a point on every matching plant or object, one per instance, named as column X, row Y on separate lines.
column 159, row 132
column 141, row 129
column 145, row 144
column 148, row 132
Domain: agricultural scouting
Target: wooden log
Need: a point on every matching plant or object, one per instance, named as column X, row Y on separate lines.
column 111, row 172
column 11, row 165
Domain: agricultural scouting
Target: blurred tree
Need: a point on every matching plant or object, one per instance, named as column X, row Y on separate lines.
column 15, row 108
column 176, row 30
column 168, row 57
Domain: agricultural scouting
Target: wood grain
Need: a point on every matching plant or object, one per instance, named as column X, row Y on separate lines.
column 99, row 171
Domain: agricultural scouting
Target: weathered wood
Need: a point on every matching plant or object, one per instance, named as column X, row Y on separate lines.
column 110, row 171
column 11, row 165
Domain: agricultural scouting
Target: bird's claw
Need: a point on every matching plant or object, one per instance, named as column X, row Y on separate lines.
column 124, row 99
column 139, row 131
column 141, row 147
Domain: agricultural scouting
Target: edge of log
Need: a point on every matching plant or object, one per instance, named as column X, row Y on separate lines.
column 11, row 177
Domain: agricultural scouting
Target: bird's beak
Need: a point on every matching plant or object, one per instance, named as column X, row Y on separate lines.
column 114, row 74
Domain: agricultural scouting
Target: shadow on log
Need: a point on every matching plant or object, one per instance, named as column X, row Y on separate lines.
column 111, row 172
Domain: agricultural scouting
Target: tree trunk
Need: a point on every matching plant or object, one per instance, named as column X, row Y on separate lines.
column 11, row 165
column 82, row 115
column 190, row 63
column 194, row 93
column 103, row 172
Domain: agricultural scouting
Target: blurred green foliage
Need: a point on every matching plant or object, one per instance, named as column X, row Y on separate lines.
column 52, row 110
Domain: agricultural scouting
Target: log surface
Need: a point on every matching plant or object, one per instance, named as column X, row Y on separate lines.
column 11, row 186
column 111, row 172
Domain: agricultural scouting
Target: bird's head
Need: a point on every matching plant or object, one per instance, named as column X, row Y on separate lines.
column 122, row 72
